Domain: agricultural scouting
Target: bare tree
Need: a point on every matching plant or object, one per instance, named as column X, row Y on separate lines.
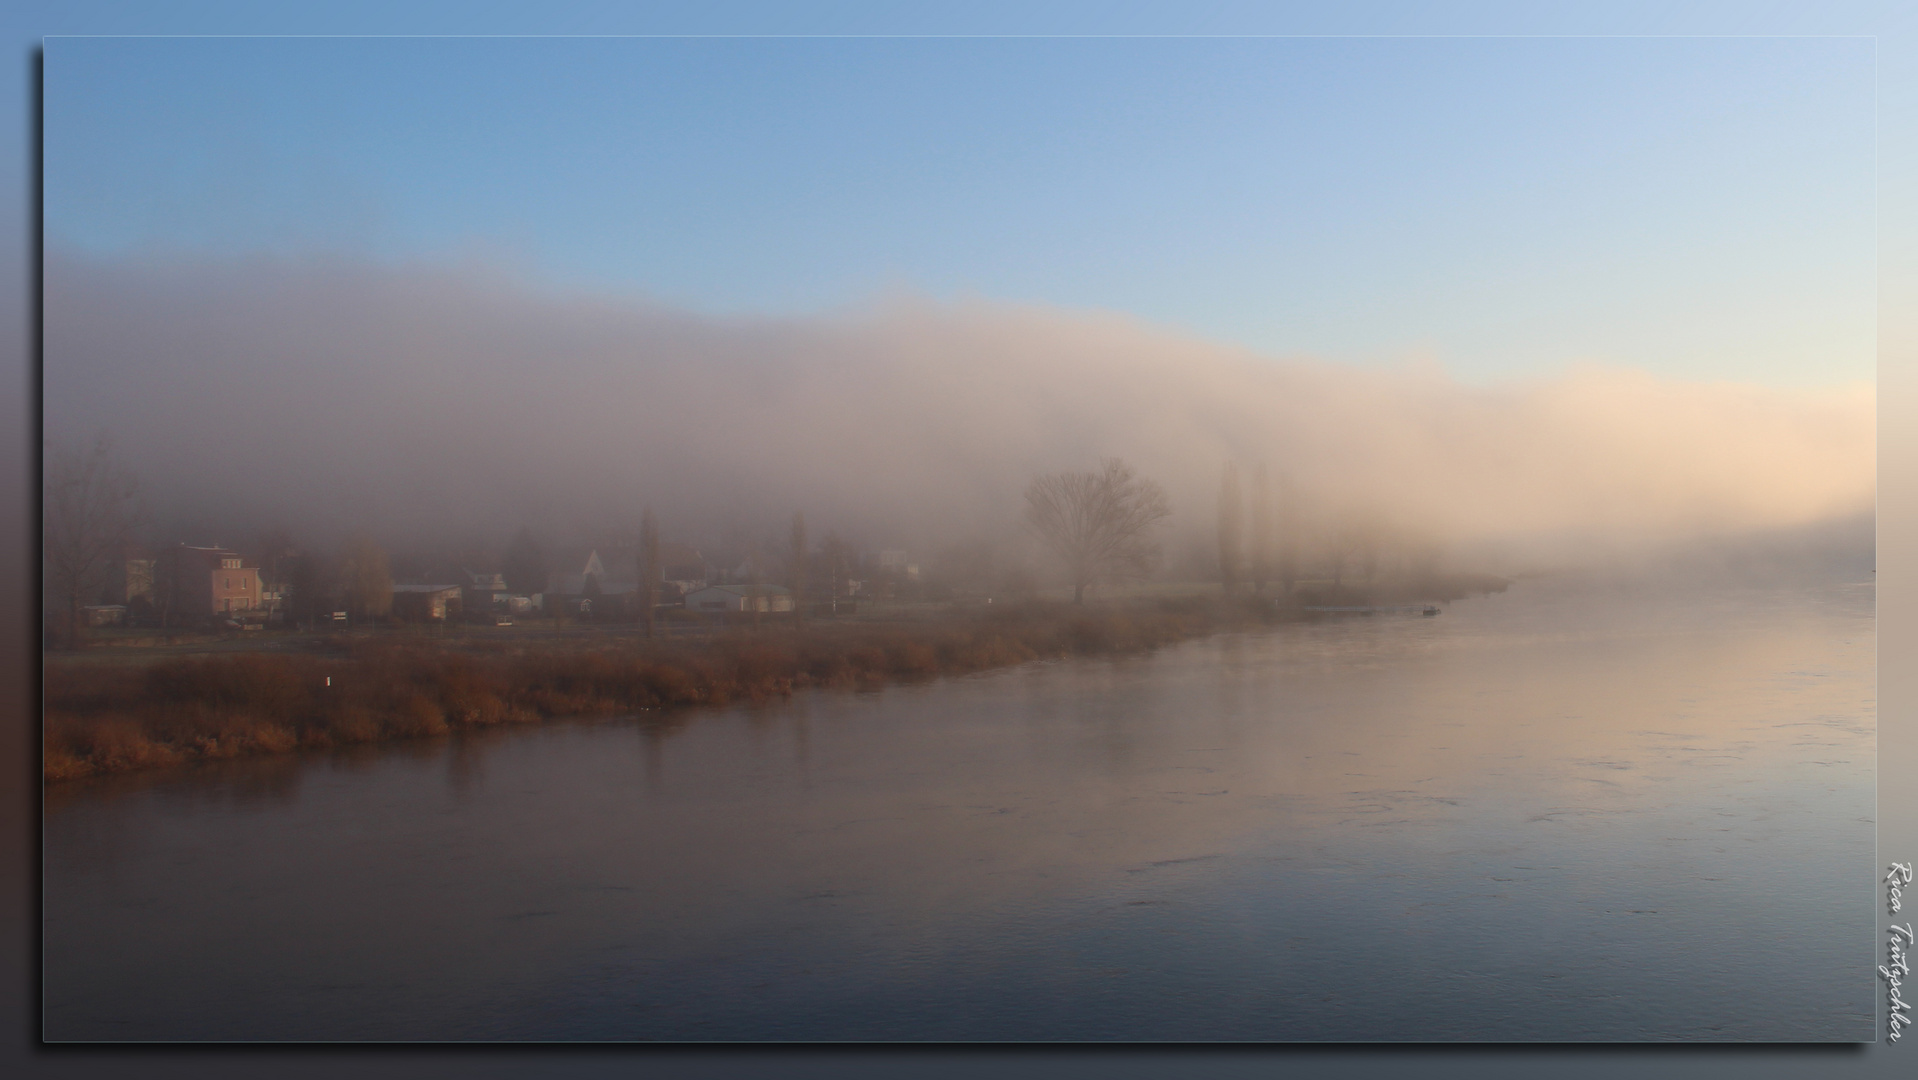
column 1367, row 536
column 308, row 578
column 1421, row 563
column 649, row 567
column 753, row 576
column 368, row 579
column 1098, row 523
column 1261, row 530
column 1368, row 544
column 168, row 588
column 1354, row 541
column 92, row 509
column 277, row 555
column 836, row 555
column 799, row 570
column 1288, row 529
column 1230, row 518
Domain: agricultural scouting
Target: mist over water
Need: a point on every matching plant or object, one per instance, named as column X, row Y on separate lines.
column 434, row 404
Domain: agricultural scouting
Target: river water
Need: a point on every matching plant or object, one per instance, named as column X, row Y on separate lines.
column 1571, row 811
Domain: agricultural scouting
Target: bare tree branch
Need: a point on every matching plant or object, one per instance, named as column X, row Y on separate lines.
column 368, row 579
column 799, row 569
column 1261, row 530
column 1097, row 522
column 649, row 567
column 92, row 510
column 1230, row 526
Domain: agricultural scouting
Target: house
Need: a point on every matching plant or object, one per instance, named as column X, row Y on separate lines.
column 893, row 561
column 605, row 584
column 739, row 598
column 426, row 602
column 682, row 566
column 591, row 587
column 209, row 581
column 575, row 569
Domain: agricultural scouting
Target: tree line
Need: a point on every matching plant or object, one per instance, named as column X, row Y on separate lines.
column 1101, row 527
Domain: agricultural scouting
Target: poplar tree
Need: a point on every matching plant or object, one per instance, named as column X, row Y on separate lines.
column 1288, row 534
column 649, row 566
column 799, row 569
column 91, row 509
column 1230, row 513
column 1261, row 530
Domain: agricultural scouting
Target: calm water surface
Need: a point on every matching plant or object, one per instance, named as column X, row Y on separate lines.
column 1567, row 812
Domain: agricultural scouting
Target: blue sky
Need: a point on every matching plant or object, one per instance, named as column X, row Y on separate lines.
column 1702, row 207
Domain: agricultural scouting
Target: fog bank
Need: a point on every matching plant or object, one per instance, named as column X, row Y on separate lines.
column 434, row 403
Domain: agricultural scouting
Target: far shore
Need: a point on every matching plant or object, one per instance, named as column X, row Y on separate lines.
column 144, row 705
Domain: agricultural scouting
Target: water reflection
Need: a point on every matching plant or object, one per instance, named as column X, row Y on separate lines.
column 1558, row 813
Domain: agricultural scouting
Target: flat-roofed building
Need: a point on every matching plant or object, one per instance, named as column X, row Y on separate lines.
column 429, row 602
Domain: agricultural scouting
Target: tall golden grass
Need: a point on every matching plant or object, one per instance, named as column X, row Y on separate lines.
column 101, row 720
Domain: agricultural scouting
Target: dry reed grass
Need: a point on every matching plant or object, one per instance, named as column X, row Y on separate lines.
column 114, row 720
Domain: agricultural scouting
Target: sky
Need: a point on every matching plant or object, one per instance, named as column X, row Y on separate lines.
column 1700, row 208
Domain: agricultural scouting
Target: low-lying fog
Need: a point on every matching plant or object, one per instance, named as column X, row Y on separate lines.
column 433, row 405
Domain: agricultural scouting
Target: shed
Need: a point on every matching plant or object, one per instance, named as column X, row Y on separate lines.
column 426, row 602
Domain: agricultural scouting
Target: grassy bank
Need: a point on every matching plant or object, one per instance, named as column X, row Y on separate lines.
column 114, row 719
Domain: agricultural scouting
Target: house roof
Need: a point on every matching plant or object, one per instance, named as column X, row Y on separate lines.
column 209, row 553
column 580, row 560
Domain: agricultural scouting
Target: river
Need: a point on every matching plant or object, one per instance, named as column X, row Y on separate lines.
column 1570, row 811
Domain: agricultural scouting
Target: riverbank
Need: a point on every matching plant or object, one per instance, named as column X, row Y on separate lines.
column 239, row 699
column 106, row 719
